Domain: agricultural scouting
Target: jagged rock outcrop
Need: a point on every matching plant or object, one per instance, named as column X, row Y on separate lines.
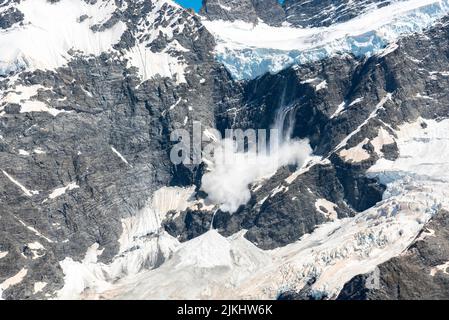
column 269, row 11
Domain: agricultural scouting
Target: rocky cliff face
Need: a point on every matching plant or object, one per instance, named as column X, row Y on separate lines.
column 297, row 13
column 88, row 194
column 269, row 11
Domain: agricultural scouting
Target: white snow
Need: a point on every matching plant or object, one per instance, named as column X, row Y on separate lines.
column 167, row 63
column 151, row 64
column 120, row 155
column 200, row 253
column 322, row 85
column 418, row 95
column 310, row 162
column 358, row 100
column 357, row 153
column 212, row 266
column 3, row 254
column 175, row 104
column 37, row 233
column 149, row 220
column 440, row 268
column 62, row 190
column 227, row 8
column 307, row 81
column 27, row 192
column 38, row 151
column 225, row 268
column 423, row 152
column 340, row 109
column 25, row 96
column 36, row 249
column 372, row 115
column 278, row 189
column 23, row 152
column 249, row 51
column 383, row 138
column 14, row 280
column 50, row 30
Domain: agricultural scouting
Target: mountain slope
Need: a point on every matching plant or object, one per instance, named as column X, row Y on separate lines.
column 92, row 206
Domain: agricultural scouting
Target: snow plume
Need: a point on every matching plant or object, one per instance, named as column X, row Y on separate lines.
column 232, row 170
column 227, row 183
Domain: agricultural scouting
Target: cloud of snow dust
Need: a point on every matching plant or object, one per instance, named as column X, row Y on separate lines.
column 231, row 173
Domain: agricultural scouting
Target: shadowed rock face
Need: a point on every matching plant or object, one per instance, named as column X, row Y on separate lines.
column 9, row 17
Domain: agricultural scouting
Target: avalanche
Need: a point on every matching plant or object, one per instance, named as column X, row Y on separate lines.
column 233, row 267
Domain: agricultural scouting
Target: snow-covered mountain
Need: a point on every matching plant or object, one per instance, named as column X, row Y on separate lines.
column 250, row 50
column 353, row 205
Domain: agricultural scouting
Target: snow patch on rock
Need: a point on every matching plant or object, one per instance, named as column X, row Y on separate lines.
column 44, row 43
column 143, row 245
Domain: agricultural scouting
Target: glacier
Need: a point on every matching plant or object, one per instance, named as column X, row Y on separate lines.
column 249, row 51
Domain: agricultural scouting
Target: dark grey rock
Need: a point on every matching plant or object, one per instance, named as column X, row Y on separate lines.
column 269, row 11
column 408, row 276
column 10, row 17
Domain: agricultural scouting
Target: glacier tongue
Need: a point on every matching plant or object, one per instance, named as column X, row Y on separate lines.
column 249, row 51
